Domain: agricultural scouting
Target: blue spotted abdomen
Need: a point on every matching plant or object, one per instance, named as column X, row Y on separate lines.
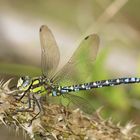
column 99, row 84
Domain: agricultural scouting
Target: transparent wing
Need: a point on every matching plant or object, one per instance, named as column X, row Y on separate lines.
column 71, row 100
column 86, row 52
column 50, row 52
column 80, row 102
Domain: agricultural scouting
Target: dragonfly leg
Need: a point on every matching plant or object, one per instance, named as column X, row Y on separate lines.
column 19, row 99
column 29, row 108
column 39, row 107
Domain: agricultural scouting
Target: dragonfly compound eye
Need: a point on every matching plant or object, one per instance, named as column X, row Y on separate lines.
column 24, row 83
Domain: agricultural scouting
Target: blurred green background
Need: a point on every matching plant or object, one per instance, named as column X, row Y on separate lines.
column 117, row 23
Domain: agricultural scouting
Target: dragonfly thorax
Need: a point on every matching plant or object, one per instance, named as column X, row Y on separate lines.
column 37, row 85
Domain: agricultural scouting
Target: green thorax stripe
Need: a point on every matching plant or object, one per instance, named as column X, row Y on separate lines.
column 38, row 87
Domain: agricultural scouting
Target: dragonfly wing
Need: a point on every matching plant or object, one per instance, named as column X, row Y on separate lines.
column 80, row 102
column 50, row 52
column 89, row 45
column 70, row 100
column 87, row 51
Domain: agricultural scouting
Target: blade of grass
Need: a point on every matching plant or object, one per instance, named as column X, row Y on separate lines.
column 19, row 69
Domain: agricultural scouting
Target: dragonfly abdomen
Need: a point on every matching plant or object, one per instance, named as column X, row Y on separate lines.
column 99, row 84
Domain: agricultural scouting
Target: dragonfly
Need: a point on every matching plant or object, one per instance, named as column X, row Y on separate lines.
column 49, row 83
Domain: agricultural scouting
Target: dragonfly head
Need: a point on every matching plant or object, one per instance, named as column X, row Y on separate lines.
column 24, row 83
